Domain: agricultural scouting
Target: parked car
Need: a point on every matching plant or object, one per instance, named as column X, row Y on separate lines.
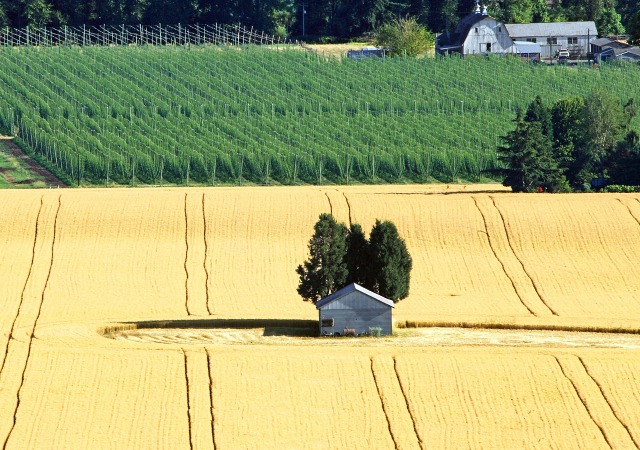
column 562, row 56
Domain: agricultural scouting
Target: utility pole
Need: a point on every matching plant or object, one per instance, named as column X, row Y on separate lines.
column 304, row 13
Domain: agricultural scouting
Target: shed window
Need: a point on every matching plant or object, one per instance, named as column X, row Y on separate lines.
column 573, row 40
column 552, row 41
column 532, row 40
column 327, row 322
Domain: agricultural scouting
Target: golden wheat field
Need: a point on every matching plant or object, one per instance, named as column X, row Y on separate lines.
column 113, row 305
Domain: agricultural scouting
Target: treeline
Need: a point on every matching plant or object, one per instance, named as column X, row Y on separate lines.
column 576, row 144
column 337, row 19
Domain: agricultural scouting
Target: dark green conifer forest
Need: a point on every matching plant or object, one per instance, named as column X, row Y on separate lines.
column 329, row 19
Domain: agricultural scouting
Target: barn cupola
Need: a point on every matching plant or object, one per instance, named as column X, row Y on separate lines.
column 484, row 10
column 477, row 8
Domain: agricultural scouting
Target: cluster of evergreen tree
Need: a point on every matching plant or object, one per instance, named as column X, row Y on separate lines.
column 572, row 144
column 337, row 18
column 340, row 256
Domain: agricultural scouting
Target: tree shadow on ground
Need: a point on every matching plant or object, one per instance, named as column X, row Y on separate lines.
column 272, row 327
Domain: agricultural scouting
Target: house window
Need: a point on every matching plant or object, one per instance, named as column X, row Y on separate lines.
column 552, row 41
column 573, row 40
column 532, row 40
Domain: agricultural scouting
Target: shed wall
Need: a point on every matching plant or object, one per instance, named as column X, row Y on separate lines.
column 358, row 319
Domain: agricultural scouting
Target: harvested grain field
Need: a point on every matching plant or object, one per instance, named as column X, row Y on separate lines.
column 131, row 319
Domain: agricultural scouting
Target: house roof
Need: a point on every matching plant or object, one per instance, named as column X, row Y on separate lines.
column 349, row 289
column 552, row 29
column 527, row 47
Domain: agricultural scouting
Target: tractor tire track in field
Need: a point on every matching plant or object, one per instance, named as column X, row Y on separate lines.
column 213, row 417
column 504, row 269
column 582, row 400
column 206, row 255
column 604, row 396
column 24, row 287
column 330, row 205
column 629, row 209
column 348, row 207
column 533, row 283
column 186, row 257
column 186, row 378
column 33, row 328
column 406, row 402
column 384, row 409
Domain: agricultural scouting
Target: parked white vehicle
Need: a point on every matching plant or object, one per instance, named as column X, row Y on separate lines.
column 562, row 55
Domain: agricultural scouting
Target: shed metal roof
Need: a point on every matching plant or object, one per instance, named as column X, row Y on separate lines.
column 527, row 47
column 601, row 42
column 630, row 50
column 351, row 288
column 517, row 30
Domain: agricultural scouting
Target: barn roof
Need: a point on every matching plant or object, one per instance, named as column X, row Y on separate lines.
column 552, row 29
column 349, row 289
column 456, row 39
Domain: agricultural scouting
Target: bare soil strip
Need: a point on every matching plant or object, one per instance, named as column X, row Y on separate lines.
column 31, row 165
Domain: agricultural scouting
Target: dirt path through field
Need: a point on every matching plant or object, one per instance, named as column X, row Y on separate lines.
column 427, row 337
column 30, row 164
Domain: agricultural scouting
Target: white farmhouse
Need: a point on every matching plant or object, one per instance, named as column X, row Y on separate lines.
column 573, row 36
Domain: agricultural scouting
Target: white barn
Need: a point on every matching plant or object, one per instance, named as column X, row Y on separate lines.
column 354, row 308
column 480, row 34
column 476, row 34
